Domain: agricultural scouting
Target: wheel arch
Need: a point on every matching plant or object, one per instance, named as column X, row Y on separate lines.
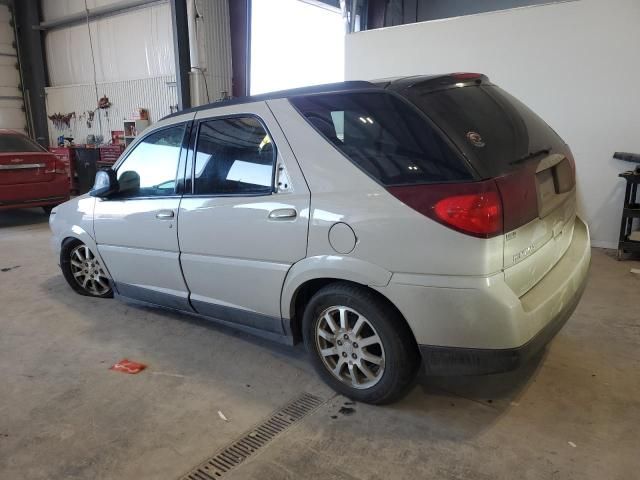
column 309, row 276
column 79, row 234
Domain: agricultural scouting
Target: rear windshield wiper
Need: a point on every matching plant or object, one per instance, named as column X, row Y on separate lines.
column 530, row 155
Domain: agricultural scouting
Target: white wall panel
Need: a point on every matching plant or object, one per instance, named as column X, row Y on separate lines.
column 11, row 102
column 9, row 74
column 214, row 52
column 157, row 95
column 132, row 45
column 52, row 9
column 575, row 63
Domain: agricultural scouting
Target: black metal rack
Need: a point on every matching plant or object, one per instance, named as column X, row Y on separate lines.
column 631, row 207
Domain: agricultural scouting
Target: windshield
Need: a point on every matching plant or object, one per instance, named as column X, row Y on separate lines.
column 496, row 132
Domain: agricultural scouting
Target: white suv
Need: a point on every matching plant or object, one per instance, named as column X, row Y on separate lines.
column 417, row 220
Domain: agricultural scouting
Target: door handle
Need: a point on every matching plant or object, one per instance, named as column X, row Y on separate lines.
column 283, row 214
column 164, row 214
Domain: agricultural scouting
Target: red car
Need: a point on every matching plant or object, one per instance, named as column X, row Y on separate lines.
column 30, row 176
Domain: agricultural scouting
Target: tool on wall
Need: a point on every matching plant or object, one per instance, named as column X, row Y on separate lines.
column 104, row 104
column 62, row 121
column 90, row 115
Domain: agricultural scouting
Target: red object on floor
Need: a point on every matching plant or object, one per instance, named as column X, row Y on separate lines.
column 127, row 366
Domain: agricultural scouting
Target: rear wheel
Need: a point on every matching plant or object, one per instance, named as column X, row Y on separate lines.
column 47, row 209
column 83, row 272
column 359, row 344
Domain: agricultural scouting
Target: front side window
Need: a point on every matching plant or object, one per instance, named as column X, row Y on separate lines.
column 150, row 169
column 234, row 156
column 382, row 135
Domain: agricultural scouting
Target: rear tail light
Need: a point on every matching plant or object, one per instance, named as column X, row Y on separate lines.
column 477, row 213
column 473, row 208
column 488, row 208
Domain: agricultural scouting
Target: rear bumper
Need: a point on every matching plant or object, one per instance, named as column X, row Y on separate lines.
column 478, row 325
column 479, row 361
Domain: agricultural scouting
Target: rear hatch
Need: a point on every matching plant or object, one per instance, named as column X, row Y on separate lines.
column 23, row 161
column 503, row 140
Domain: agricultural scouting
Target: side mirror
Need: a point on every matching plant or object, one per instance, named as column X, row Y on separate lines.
column 106, row 183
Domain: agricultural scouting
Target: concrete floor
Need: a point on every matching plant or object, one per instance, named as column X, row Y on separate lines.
column 574, row 413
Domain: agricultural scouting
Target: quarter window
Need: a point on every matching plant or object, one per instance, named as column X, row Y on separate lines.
column 234, row 156
column 384, row 136
column 150, row 169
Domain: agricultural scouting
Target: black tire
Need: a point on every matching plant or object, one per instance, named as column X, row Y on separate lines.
column 68, row 246
column 47, row 209
column 400, row 352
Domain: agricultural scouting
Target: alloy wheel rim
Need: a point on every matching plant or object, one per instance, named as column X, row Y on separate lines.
column 350, row 347
column 88, row 272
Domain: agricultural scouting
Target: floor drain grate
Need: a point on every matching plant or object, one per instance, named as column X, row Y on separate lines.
column 252, row 441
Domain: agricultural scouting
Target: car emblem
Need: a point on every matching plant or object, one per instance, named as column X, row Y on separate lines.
column 16, row 160
column 475, row 139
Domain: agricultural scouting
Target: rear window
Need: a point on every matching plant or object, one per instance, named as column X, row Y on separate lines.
column 18, row 143
column 384, row 136
column 490, row 126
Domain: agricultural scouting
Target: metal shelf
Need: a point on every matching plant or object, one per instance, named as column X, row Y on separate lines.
column 630, row 212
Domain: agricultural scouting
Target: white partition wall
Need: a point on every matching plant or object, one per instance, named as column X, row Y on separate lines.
column 576, row 63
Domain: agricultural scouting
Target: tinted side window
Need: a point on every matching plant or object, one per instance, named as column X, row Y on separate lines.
column 384, row 136
column 233, row 156
column 150, row 169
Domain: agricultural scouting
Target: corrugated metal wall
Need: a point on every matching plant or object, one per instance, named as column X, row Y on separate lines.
column 158, row 95
column 60, row 8
column 11, row 102
column 214, row 52
column 154, row 89
column 134, row 44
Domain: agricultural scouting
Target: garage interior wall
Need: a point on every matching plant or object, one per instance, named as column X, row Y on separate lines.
column 134, row 63
column 400, row 12
column 574, row 63
column 12, row 114
column 212, row 33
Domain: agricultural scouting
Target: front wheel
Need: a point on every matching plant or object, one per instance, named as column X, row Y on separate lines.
column 359, row 344
column 82, row 270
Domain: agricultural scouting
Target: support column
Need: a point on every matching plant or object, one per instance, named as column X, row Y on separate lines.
column 180, row 24
column 240, row 23
column 34, row 70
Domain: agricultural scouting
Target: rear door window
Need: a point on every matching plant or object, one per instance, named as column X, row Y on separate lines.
column 494, row 130
column 234, row 156
column 384, row 136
